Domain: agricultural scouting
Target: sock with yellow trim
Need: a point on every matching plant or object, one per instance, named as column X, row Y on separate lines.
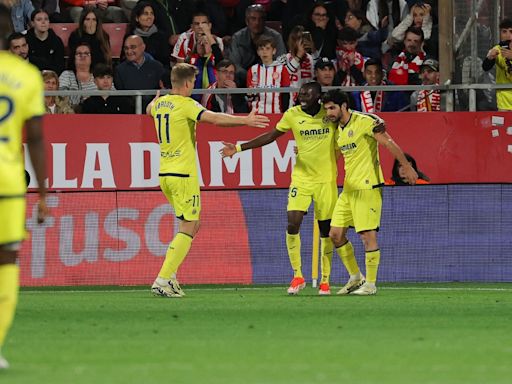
column 326, row 248
column 372, row 259
column 9, row 283
column 293, row 246
column 346, row 253
column 175, row 255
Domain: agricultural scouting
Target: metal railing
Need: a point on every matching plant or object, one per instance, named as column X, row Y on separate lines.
column 447, row 89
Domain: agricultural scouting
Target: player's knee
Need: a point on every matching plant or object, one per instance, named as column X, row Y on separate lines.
column 324, row 226
column 293, row 228
column 369, row 239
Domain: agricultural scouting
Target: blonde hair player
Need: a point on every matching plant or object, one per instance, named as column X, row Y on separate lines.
column 175, row 117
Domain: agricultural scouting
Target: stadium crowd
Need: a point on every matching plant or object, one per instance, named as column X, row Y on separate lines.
column 236, row 43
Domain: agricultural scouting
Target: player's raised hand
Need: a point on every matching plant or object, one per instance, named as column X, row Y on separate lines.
column 228, row 150
column 258, row 121
column 410, row 175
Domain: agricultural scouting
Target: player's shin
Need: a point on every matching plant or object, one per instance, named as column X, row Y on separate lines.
column 372, row 259
column 326, row 250
column 176, row 253
column 9, row 283
column 293, row 246
column 346, row 253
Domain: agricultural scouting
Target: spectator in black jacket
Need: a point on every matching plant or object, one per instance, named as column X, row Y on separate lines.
column 103, row 78
column 45, row 47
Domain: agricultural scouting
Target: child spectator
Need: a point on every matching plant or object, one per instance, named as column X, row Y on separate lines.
column 350, row 62
column 398, row 176
column 501, row 55
column 268, row 75
column 45, row 47
column 103, row 78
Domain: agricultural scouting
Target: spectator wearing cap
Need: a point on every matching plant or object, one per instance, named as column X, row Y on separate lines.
column 406, row 67
column 378, row 101
column 427, row 100
column 242, row 51
column 103, row 78
column 350, row 62
column 325, row 73
column 225, row 102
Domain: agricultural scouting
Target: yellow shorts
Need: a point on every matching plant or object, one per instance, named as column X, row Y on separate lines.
column 359, row 209
column 183, row 194
column 12, row 219
column 324, row 196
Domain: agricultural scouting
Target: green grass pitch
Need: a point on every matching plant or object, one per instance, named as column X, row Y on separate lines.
column 451, row 333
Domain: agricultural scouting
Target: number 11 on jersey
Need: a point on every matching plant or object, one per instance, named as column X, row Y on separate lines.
column 165, row 120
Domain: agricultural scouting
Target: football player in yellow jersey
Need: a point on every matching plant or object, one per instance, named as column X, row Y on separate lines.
column 313, row 177
column 360, row 203
column 21, row 104
column 175, row 118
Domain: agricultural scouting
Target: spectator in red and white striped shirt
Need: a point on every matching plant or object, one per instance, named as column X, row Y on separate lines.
column 187, row 41
column 268, row 74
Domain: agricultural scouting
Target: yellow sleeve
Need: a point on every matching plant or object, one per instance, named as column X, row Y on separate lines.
column 35, row 91
column 284, row 125
column 193, row 109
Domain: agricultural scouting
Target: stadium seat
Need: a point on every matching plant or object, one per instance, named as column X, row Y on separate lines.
column 276, row 25
column 63, row 30
column 116, row 32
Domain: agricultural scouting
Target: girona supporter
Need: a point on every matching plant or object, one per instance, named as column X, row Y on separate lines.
column 350, row 61
column 406, row 67
column 378, row 101
column 398, row 174
column 107, row 11
column 187, row 41
column 225, row 102
column 299, row 62
column 270, row 75
column 427, row 100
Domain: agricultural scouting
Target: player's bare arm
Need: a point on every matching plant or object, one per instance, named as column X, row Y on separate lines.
column 223, row 119
column 35, row 145
column 384, row 139
column 230, row 149
column 150, row 105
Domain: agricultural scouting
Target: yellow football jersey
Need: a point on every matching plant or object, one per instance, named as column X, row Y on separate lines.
column 503, row 76
column 175, row 119
column 360, row 152
column 21, row 98
column 315, row 139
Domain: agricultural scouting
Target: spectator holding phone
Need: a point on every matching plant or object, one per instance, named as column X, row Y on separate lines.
column 501, row 55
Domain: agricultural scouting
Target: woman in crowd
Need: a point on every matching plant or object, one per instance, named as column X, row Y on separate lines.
column 143, row 24
column 54, row 104
column 90, row 30
column 79, row 76
column 45, row 47
column 323, row 30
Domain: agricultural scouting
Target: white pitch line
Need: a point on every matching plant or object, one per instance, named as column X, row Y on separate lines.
column 276, row 288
